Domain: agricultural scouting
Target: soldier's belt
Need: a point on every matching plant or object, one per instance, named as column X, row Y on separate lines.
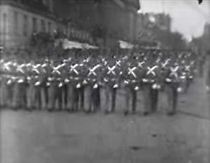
column 144, row 80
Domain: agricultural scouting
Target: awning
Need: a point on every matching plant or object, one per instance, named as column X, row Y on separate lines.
column 77, row 45
column 71, row 44
column 125, row 45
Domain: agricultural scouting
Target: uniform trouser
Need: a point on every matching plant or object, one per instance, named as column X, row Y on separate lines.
column 20, row 95
column 31, row 96
column 87, row 98
column 45, row 96
column 75, row 99
column 81, row 97
column 130, row 99
column 91, row 98
column 147, row 98
column 187, row 84
column 70, row 96
column 6, row 94
column 95, row 99
column 110, row 95
column 154, row 93
column 172, row 97
column 65, row 96
column 38, row 97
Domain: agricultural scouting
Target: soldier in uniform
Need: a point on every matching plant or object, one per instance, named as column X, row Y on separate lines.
column 150, row 82
column 21, row 86
column 131, row 84
column 111, row 81
column 172, row 86
column 9, row 83
column 94, row 78
column 74, row 83
column 57, row 84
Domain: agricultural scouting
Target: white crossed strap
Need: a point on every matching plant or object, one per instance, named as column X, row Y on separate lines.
column 140, row 64
column 56, row 69
column 174, row 71
column 131, row 71
column 158, row 60
column 35, row 70
column 92, row 70
column 151, row 70
column 187, row 68
column 165, row 63
column 6, row 66
column 73, row 68
column 20, row 68
column 118, row 63
column 111, row 70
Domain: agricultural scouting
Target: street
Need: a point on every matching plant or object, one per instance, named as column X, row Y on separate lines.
column 31, row 137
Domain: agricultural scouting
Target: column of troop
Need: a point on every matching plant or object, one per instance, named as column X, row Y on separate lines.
column 85, row 81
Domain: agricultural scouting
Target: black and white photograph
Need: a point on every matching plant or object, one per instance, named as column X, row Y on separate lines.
column 104, row 81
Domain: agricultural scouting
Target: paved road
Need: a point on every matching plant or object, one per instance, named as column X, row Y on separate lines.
column 42, row 137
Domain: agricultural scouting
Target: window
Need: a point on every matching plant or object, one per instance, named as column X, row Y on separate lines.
column 4, row 23
column 43, row 26
column 16, row 23
column 34, row 22
column 25, row 25
column 49, row 27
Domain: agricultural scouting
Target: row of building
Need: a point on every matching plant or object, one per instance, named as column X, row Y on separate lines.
column 92, row 21
column 19, row 19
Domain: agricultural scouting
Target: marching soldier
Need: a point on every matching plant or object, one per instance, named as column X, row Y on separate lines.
column 111, row 81
column 151, row 83
column 94, row 78
column 131, row 84
column 172, row 87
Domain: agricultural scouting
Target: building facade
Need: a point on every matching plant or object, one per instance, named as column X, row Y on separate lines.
column 19, row 19
column 106, row 19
